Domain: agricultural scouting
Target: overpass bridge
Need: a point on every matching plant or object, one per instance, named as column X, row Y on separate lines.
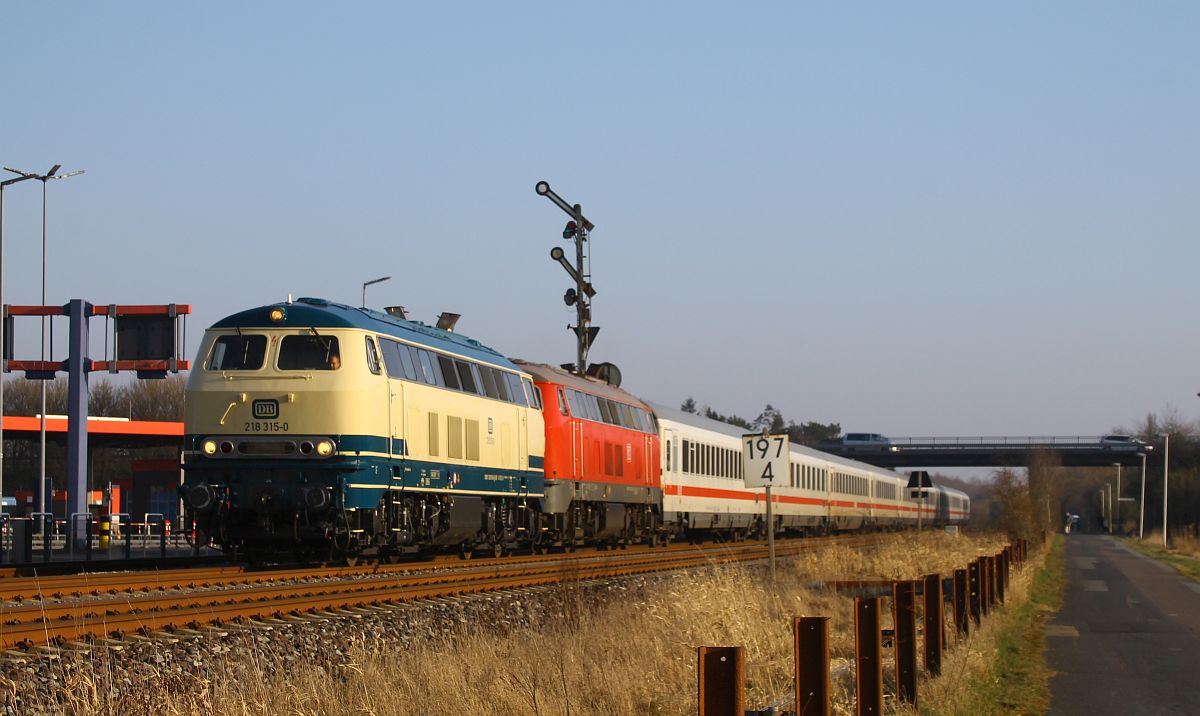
column 1072, row 451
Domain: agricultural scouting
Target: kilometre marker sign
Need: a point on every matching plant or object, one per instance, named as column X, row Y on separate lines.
column 766, row 459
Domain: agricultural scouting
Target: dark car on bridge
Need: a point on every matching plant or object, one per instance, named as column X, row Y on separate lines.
column 859, row 442
column 1123, row 443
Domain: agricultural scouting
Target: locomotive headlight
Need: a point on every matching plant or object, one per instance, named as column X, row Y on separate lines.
column 276, row 315
column 325, row 448
column 209, row 447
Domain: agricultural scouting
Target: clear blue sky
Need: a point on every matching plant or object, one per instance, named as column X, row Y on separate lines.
column 918, row 218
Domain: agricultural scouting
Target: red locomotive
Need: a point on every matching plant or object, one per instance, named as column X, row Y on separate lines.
column 602, row 465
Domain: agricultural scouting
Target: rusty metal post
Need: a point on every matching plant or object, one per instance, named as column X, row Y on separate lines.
column 1000, row 577
column 812, row 666
column 985, row 585
column 904, row 617
column 721, row 681
column 994, row 566
column 962, row 619
column 868, row 657
column 973, row 590
column 935, row 635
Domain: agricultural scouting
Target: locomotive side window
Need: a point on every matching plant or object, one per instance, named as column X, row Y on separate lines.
column 605, row 410
column 429, row 369
column 408, row 362
column 562, row 402
column 373, row 357
column 488, row 378
column 504, row 386
column 533, row 396
column 476, row 378
column 391, row 358
column 309, row 352
column 238, row 353
column 448, row 373
column 465, row 378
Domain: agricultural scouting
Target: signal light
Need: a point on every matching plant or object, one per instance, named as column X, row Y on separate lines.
column 570, row 297
column 570, row 230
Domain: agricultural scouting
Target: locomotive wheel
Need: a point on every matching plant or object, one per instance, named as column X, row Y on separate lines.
column 466, row 551
column 497, row 550
column 652, row 540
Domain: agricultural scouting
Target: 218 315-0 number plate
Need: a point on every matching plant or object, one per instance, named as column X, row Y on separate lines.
column 266, row 426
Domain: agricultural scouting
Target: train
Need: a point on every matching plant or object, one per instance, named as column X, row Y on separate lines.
column 320, row 431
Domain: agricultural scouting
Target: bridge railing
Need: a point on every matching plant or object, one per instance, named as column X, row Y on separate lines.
column 1021, row 442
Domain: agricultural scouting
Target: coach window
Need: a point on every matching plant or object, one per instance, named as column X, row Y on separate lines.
column 309, row 352
column 605, row 413
column 238, row 352
column 684, row 457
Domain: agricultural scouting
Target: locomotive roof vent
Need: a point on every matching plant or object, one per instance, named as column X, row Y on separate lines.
column 446, row 321
column 397, row 311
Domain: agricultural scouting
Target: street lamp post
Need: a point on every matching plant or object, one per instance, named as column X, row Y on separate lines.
column 1142, row 504
column 3, row 184
column 368, row 283
column 40, row 489
column 1108, row 487
column 1103, row 511
column 1166, row 452
column 1117, row 510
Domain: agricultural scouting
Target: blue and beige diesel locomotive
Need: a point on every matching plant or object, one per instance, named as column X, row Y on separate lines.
column 316, row 427
column 316, row 430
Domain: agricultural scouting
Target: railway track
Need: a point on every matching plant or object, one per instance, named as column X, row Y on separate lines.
column 99, row 607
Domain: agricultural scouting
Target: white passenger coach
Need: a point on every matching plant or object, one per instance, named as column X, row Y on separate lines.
column 703, row 487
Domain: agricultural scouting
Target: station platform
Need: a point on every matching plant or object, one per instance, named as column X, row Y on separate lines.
column 1127, row 639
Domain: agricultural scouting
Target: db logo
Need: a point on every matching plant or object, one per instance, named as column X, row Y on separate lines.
column 266, row 409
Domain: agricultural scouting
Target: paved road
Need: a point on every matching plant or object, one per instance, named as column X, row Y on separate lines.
column 1127, row 640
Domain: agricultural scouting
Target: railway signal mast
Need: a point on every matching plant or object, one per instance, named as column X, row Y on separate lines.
column 578, row 228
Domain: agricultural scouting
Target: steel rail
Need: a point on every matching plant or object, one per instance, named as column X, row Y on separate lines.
column 35, row 624
column 98, row 584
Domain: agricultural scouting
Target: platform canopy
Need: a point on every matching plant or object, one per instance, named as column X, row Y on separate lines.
column 102, row 432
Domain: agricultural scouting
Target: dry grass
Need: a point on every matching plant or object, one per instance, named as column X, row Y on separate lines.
column 635, row 655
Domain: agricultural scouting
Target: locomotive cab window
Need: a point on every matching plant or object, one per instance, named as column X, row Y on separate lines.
column 238, row 353
column 372, row 357
column 309, row 352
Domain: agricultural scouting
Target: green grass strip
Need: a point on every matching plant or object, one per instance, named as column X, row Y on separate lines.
column 1185, row 565
column 1019, row 680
